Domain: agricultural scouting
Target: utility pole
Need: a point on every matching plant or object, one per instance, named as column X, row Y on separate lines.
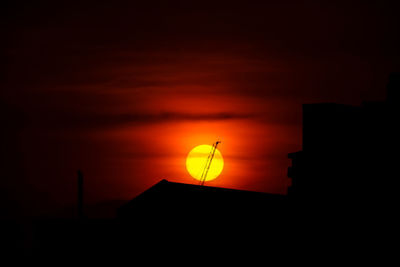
column 80, row 195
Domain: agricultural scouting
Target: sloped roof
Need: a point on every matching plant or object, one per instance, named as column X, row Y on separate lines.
column 175, row 197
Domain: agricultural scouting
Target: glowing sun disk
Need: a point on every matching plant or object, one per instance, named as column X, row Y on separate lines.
column 197, row 159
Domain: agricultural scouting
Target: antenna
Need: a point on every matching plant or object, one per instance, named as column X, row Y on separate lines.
column 208, row 162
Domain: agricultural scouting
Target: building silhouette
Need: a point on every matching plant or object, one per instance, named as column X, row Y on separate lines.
column 198, row 201
column 349, row 156
column 198, row 216
column 174, row 220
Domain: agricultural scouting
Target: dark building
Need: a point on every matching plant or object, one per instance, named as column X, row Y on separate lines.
column 199, row 201
column 349, row 156
column 174, row 220
column 207, row 211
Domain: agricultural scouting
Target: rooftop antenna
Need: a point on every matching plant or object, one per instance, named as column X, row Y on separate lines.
column 208, row 162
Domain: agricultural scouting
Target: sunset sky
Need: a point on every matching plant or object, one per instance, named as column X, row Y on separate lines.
column 124, row 90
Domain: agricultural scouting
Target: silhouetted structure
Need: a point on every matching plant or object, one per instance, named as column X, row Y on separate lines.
column 208, row 164
column 195, row 218
column 80, row 195
column 349, row 157
column 174, row 219
column 177, row 200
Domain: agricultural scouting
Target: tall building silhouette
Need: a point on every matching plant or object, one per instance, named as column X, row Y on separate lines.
column 349, row 155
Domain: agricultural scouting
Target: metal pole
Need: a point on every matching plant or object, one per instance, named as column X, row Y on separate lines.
column 80, row 195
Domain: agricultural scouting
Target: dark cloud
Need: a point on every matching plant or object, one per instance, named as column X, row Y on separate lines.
column 101, row 121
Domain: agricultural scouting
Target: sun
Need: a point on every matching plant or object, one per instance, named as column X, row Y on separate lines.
column 197, row 159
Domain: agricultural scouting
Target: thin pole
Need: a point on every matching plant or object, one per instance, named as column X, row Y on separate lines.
column 80, row 194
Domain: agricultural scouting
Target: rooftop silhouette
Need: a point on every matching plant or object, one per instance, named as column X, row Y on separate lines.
column 197, row 200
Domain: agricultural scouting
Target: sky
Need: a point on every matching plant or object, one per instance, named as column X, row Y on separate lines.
column 124, row 90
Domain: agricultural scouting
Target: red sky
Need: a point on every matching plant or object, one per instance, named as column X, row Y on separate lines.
column 124, row 91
